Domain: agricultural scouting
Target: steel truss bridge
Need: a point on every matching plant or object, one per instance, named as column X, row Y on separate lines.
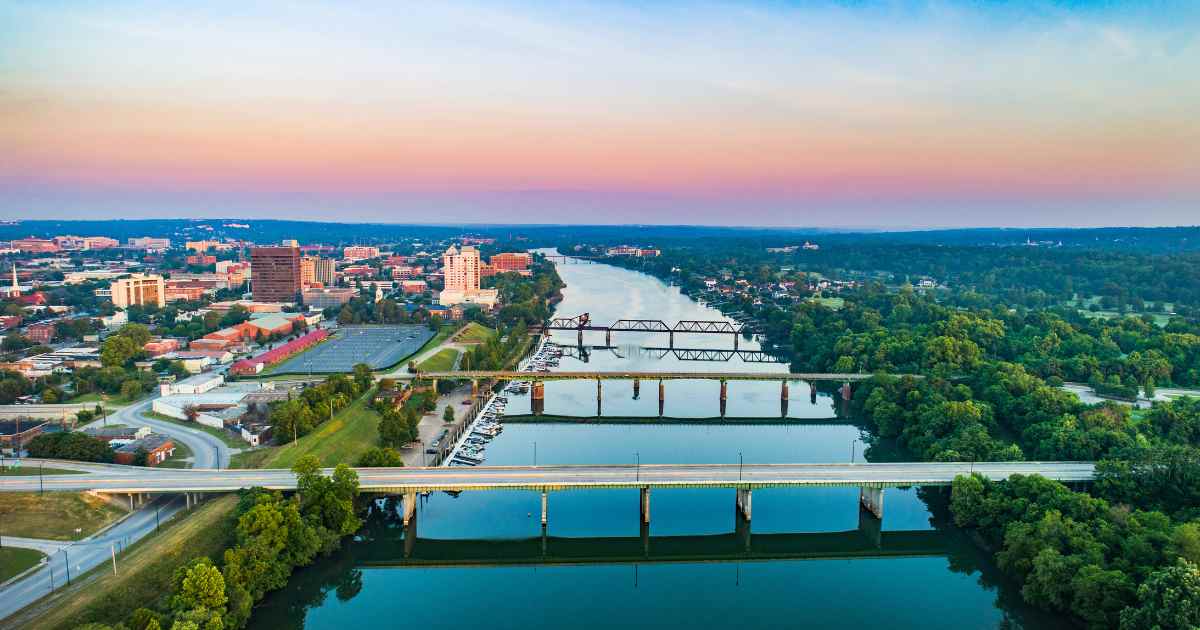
column 583, row 353
column 583, row 323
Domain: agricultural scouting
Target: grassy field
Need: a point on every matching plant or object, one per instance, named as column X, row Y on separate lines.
column 440, row 362
column 106, row 401
column 230, row 440
column 147, row 568
column 55, row 515
column 343, row 439
column 833, row 303
column 475, row 332
column 252, row 459
column 32, row 471
column 14, row 560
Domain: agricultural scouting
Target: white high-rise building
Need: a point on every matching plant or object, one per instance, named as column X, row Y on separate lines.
column 461, row 276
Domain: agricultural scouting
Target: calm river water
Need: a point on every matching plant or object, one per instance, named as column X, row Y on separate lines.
column 808, row 560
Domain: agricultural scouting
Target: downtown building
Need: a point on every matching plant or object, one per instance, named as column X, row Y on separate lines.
column 461, row 272
column 275, row 274
column 139, row 290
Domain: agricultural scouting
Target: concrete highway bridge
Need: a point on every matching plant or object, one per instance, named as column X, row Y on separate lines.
column 871, row 479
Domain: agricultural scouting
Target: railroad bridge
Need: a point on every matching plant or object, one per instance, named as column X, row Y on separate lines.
column 582, row 323
column 538, row 379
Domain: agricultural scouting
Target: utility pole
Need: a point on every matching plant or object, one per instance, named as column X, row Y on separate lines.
column 67, row 563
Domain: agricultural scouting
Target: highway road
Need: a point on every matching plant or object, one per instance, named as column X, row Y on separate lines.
column 151, row 480
column 86, row 554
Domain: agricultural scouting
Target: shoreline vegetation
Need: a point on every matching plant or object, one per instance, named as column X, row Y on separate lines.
column 1124, row 553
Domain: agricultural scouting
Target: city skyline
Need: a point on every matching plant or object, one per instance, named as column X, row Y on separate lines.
column 881, row 115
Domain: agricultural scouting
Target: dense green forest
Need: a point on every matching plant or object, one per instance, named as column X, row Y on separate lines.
column 994, row 338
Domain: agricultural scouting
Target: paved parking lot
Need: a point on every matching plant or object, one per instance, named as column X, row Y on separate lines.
column 377, row 346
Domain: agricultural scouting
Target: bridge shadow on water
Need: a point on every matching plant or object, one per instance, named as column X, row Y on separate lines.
column 394, row 545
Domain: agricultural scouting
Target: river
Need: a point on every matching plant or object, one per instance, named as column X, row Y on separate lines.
column 810, row 558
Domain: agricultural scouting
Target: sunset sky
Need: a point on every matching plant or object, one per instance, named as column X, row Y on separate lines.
column 881, row 114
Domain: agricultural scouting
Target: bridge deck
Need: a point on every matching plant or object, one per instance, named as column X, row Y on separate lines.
column 399, row 480
column 649, row 376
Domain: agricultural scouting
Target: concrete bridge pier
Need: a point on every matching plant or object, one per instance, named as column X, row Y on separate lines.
column 537, row 397
column 671, row 339
column 742, row 502
column 434, row 385
column 608, row 337
column 645, row 505
column 579, row 338
column 812, row 393
column 724, row 396
column 474, row 388
column 735, row 341
column 741, row 529
column 644, row 532
column 637, row 387
column 545, row 539
column 870, row 527
column 783, row 399
column 662, row 397
column 408, row 507
column 599, row 394
column 872, row 500
column 544, row 505
column 410, row 536
column 847, row 394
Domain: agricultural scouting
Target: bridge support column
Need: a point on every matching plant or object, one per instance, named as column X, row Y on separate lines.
column 637, row 386
column 537, row 397
column 847, row 394
column 735, row 341
column 474, row 388
column 645, row 503
column 742, row 502
column 608, row 337
column 544, row 506
column 408, row 509
column 662, row 397
column 410, row 536
column 812, row 393
column 599, row 393
column 724, row 396
column 872, row 500
column 671, row 339
column 741, row 530
column 579, row 338
column 434, row 385
column 870, row 527
column 783, row 399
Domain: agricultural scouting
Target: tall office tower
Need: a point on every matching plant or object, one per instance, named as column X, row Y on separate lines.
column 275, row 273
